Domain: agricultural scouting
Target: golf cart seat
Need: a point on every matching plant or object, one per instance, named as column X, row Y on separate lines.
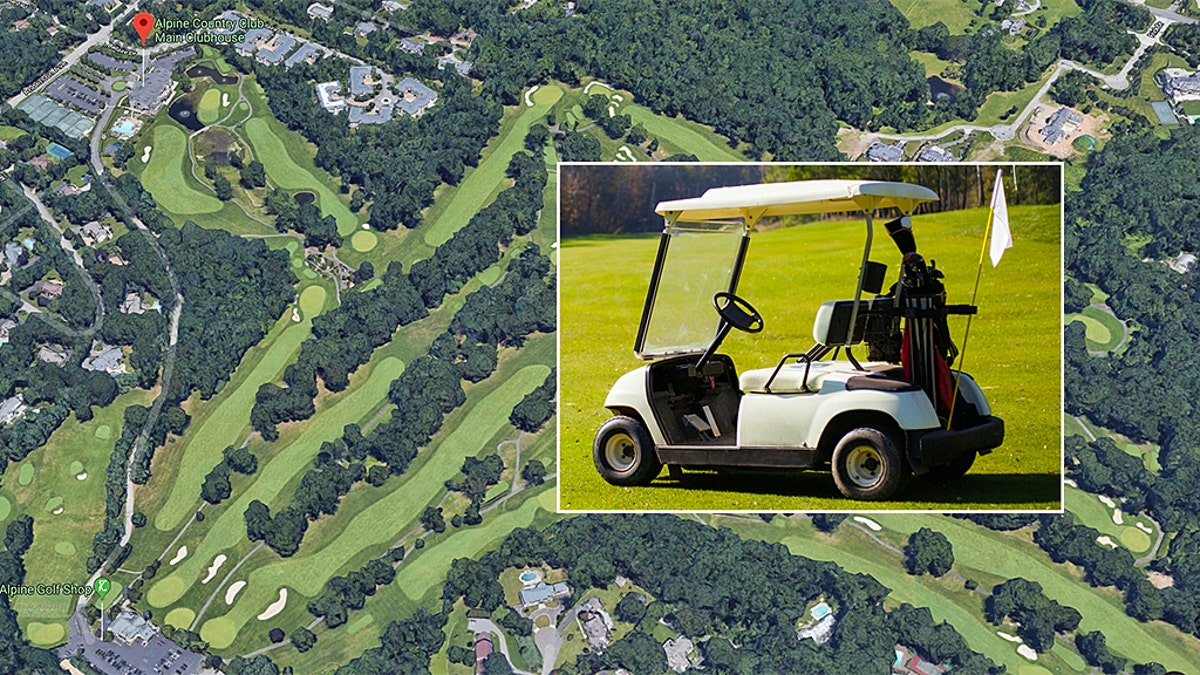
column 830, row 329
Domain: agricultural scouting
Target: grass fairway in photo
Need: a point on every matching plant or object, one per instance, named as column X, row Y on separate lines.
column 1013, row 352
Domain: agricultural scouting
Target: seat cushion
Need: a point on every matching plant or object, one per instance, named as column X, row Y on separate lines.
column 790, row 379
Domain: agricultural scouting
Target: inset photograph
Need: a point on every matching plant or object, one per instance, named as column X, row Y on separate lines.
column 840, row 337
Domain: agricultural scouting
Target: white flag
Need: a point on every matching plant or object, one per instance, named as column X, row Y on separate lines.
column 1001, row 236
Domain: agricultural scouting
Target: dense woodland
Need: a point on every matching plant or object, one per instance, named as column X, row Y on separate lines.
column 16, row 655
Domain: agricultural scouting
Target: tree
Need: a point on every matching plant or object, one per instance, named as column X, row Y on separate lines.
column 240, row 460
column 222, row 187
column 534, row 472
column 253, row 175
column 366, row 271
column 497, row 664
column 431, row 519
column 139, row 519
column 631, row 608
column 216, row 487
column 303, row 639
column 928, row 551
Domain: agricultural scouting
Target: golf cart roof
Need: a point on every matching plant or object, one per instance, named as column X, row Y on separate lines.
column 752, row 202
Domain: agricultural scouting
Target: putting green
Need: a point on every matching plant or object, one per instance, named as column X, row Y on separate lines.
column 76, row 467
column 180, row 617
column 26, row 475
column 1030, row 669
column 65, row 548
column 119, row 85
column 45, row 634
column 477, row 188
column 164, row 176
column 547, row 500
column 1097, row 333
column 308, row 274
column 165, row 592
column 327, row 424
column 5, row 507
column 359, row 624
column 284, row 172
column 312, row 300
column 363, row 241
column 490, row 276
column 1135, row 540
column 1069, row 657
column 210, row 106
column 218, row 632
column 104, row 432
column 53, row 503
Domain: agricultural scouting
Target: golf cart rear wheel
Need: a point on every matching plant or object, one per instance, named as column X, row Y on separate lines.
column 624, row 453
column 956, row 469
column 868, row 464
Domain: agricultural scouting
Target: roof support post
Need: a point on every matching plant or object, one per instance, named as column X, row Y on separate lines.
column 862, row 273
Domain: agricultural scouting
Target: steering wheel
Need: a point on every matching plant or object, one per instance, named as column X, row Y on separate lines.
column 738, row 313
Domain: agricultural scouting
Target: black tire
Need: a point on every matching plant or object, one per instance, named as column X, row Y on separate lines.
column 624, row 453
column 869, row 464
column 956, row 469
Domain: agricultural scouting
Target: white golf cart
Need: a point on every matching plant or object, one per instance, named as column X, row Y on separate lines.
column 874, row 421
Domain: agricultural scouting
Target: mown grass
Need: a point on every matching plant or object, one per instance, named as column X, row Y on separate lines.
column 1013, row 353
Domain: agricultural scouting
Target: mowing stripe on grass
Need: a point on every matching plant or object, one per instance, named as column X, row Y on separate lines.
column 164, row 177
column 231, row 527
column 477, row 187
column 980, row 549
column 227, row 423
column 681, row 135
column 284, row 172
column 383, row 521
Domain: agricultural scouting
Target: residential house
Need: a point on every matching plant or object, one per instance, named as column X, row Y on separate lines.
column 935, row 154
column 361, row 81
column 47, row 291
column 55, row 356
column 1180, row 85
column 11, row 410
column 95, row 233
column 319, row 11
column 108, row 361
column 597, row 624
column 132, row 304
column 273, row 52
column 415, row 98
column 543, row 592
column 880, row 152
column 327, row 96
column 5, row 326
column 308, row 52
column 15, row 255
column 1060, row 125
column 679, row 651
column 364, row 29
column 483, row 649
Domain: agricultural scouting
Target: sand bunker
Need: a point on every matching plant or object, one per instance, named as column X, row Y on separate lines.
column 296, row 314
column 1107, row 541
column 1010, row 638
column 212, row 569
column 234, row 588
column 57, row 511
column 875, row 527
column 179, row 555
column 146, row 154
column 82, row 476
column 1027, row 652
column 1117, row 517
column 1106, row 501
column 275, row 607
column 225, row 100
column 1068, row 481
column 1143, row 528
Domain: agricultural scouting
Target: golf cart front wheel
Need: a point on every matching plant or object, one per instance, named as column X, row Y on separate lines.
column 624, row 453
column 868, row 464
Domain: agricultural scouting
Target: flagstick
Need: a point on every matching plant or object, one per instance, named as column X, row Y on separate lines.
column 967, row 334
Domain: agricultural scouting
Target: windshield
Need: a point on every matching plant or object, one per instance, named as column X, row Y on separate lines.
column 695, row 261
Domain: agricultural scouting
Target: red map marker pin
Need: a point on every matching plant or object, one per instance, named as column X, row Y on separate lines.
column 143, row 23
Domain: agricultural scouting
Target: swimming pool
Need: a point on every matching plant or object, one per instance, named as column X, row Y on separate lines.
column 124, row 128
column 529, row 576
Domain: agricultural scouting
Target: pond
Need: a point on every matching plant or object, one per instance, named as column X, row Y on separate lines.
column 940, row 89
column 304, row 197
column 208, row 71
column 182, row 111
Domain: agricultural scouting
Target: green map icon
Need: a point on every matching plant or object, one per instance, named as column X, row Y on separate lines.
column 102, row 585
